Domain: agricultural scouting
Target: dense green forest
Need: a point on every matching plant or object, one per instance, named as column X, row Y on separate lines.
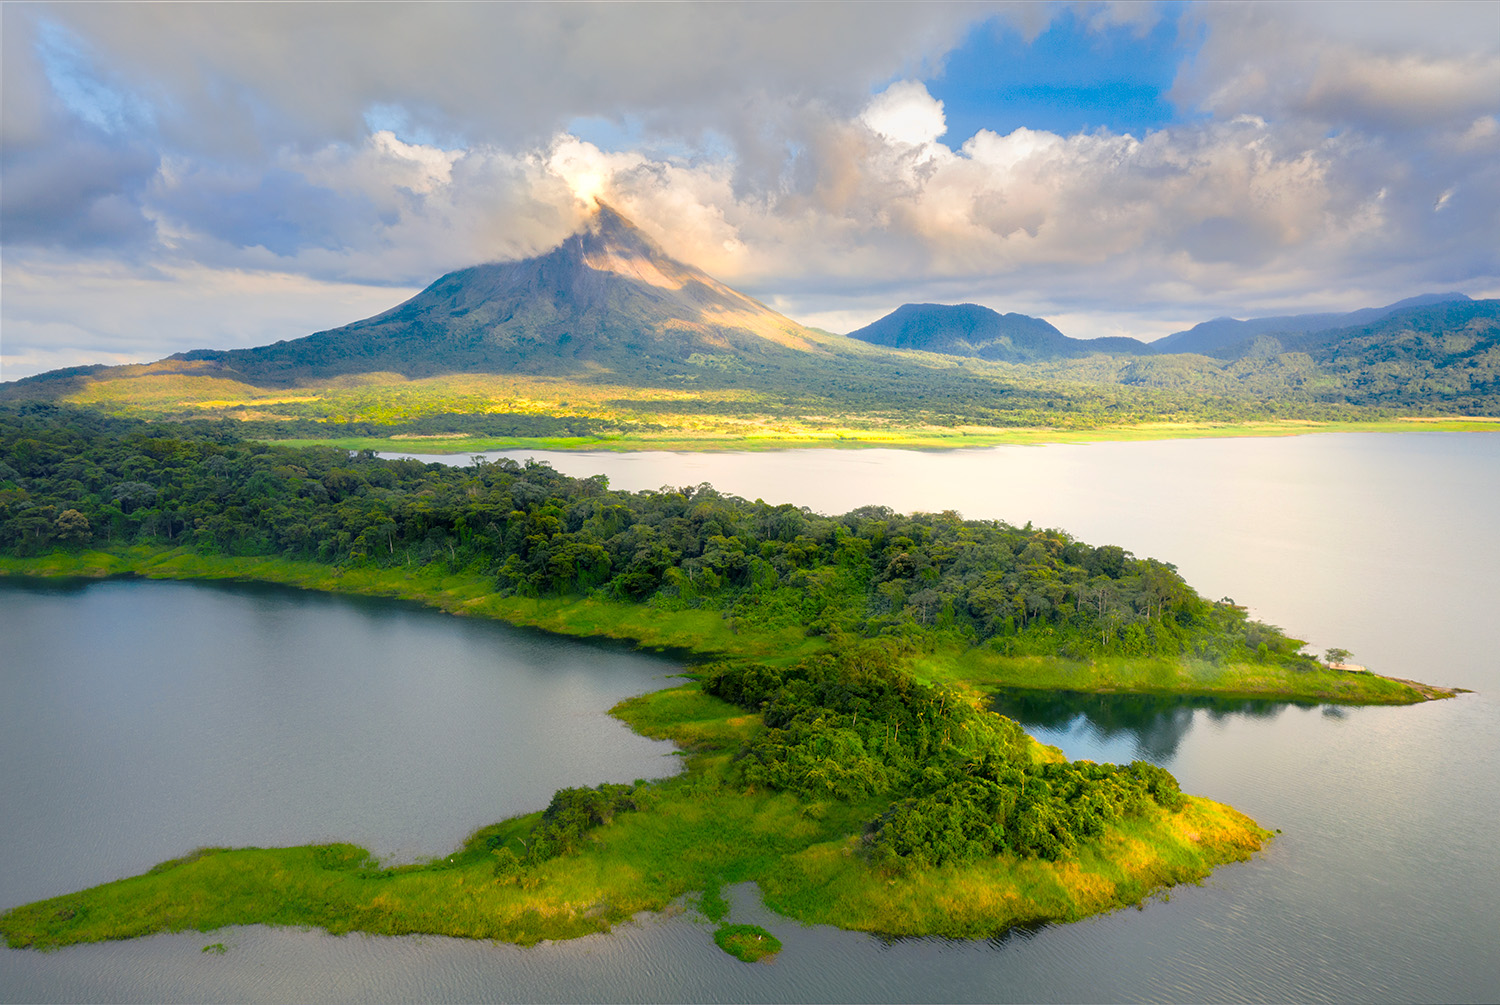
column 957, row 785
column 73, row 479
column 965, row 783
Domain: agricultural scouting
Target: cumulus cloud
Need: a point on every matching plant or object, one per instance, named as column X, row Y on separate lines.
column 1321, row 160
column 1376, row 67
column 905, row 113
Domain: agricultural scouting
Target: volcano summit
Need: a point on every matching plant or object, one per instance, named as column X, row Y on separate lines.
column 607, row 298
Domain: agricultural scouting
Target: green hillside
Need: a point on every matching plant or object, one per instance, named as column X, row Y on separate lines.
column 606, row 337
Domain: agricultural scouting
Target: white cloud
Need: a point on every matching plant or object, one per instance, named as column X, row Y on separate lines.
column 1371, row 66
column 905, row 113
column 65, row 313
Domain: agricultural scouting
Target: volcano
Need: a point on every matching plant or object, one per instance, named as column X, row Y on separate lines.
column 607, row 299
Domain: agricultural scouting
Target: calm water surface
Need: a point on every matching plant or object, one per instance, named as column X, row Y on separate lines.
column 1383, row 884
column 142, row 719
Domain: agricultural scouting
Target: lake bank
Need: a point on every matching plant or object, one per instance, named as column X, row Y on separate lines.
column 930, row 438
column 704, row 634
column 670, row 838
column 1411, row 788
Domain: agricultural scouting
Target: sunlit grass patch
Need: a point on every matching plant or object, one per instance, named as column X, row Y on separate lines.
column 749, row 943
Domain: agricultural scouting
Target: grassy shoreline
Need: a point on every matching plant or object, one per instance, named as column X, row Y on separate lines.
column 692, row 832
column 702, row 635
column 903, row 439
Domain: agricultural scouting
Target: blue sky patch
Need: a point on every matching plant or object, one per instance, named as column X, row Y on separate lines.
column 1071, row 78
column 65, row 61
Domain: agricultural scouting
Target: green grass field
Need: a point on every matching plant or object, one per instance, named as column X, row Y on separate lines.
column 922, row 438
column 627, row 417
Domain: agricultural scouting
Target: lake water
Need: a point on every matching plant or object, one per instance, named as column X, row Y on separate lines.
column 265, row 716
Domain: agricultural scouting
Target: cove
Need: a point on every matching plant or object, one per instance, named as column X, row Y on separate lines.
column 141, row 720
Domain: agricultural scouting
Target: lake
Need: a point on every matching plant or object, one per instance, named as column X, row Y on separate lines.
column 143, row 719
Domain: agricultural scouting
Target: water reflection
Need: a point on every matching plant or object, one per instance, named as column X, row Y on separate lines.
column 1152, row 725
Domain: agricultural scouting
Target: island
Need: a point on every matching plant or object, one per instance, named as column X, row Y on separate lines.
column 838, row 749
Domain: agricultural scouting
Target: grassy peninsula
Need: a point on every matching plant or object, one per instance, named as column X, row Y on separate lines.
column 838, row 752
column 854, row 798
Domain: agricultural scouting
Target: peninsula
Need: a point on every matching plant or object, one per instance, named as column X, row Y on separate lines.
column 838, row 751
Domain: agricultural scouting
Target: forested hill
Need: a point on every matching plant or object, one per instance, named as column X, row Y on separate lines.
column 1417, row 357
column 1226, row 336
column 74, row 480
column 972, row 330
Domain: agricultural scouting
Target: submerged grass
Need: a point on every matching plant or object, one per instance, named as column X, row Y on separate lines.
column 750, row 943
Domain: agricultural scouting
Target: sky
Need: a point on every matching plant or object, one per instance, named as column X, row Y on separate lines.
column 178, row 176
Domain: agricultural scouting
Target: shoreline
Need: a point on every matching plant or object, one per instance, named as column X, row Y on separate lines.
column 684, row 836
column 696, row 829
column 703, row 635
column 922, row 440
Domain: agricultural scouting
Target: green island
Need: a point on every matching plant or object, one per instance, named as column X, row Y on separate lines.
column 837, row 748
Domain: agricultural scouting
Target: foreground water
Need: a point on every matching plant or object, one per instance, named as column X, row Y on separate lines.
column 1383, row 884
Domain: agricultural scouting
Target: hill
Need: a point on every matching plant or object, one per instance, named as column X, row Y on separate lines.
column 1228, row 337
column 972, row 330
column 608, row 297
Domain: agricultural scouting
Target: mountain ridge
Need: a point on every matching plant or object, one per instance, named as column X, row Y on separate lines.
column 607, row 307
column 1221, row 336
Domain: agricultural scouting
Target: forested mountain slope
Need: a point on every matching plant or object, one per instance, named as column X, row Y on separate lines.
column 972, row 330
column 1226, row 336
column 606, row 297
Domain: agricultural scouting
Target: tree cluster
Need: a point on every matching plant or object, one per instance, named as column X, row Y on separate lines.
column 852, row 724
column 75, row 479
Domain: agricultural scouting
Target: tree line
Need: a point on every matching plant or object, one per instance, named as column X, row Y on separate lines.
column 78, row 479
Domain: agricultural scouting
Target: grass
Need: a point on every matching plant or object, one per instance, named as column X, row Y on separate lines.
column 637, row 418
column 796, row 436
column 750, row 943
column 692, row 832
column 705, row 634
column 982, row 669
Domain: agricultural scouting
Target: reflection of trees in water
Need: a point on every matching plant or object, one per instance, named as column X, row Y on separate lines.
column 1156, row 724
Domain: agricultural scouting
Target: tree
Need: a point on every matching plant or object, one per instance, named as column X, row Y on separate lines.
column 73, row 526
column 1336, row 655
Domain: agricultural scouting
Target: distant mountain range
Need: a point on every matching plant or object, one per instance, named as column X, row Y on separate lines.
column 608, row 303
column 972, row 330
column 1227, row 337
